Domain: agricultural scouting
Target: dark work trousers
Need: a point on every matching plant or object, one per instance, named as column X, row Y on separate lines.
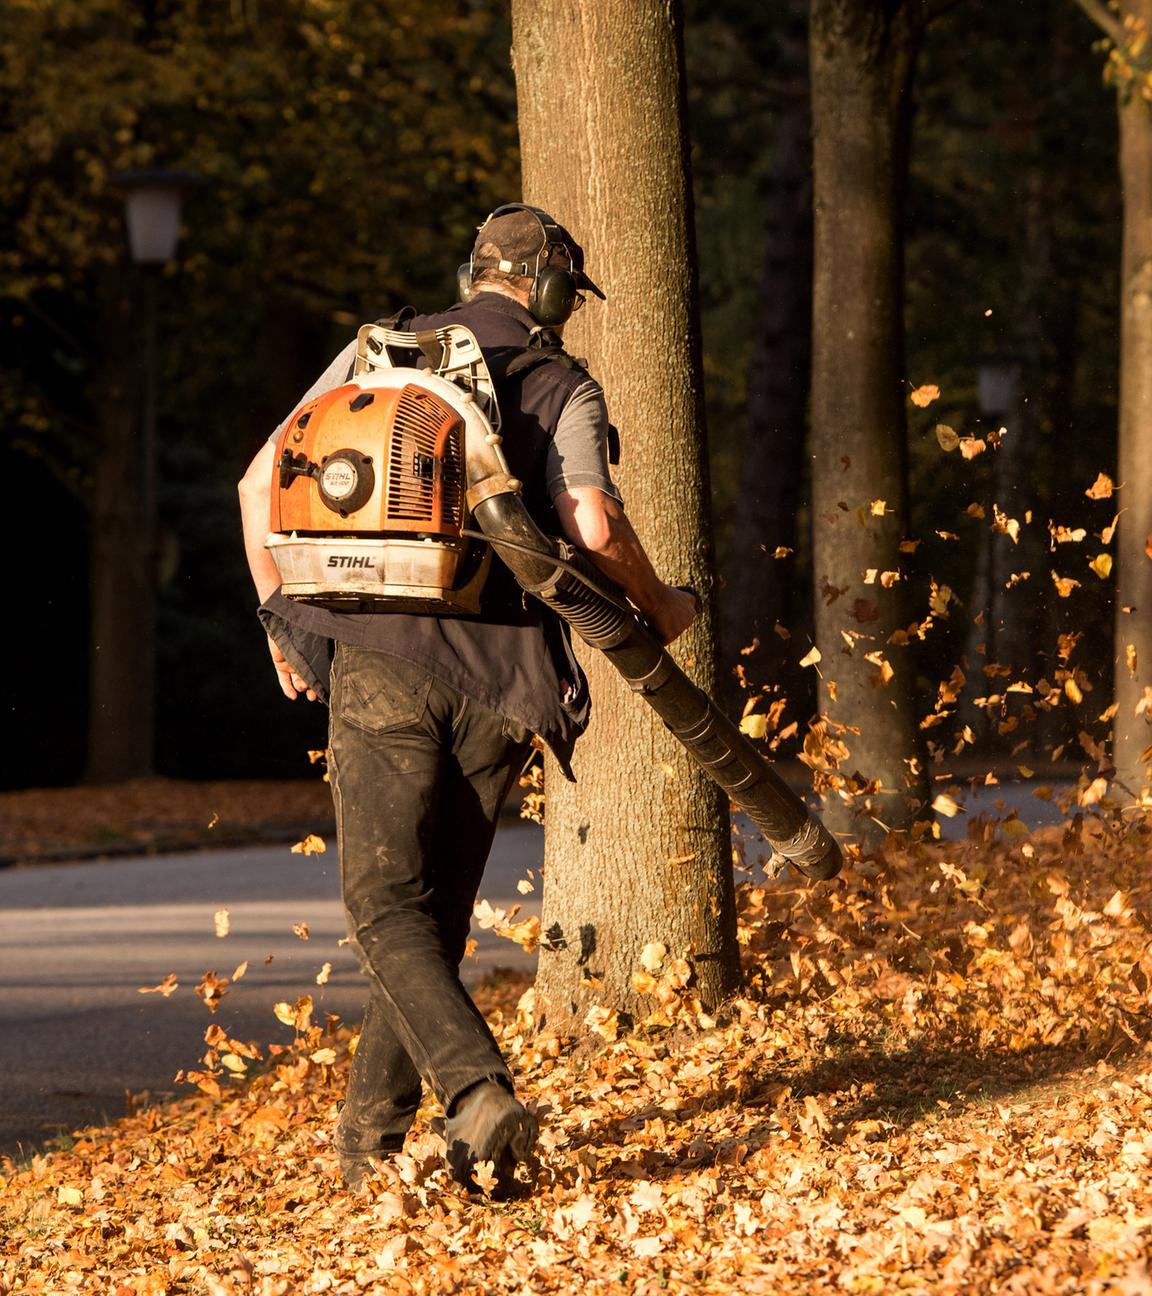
column 419, row 773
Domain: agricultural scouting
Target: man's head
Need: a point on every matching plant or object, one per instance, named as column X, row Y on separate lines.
column 524, row 252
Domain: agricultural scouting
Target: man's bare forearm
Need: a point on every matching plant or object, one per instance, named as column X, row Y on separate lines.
column 255, row 509
column 598, row 525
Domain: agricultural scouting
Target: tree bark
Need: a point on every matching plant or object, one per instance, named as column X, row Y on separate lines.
column 121, row 707
column 638, row 851
column 863, row 53
column 1132, row 733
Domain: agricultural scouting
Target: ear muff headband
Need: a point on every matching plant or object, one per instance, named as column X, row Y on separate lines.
column 553, row 293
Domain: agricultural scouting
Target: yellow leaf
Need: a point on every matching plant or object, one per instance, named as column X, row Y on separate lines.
column 1093, row 792
column 222, row 922
column 525, row 887
column 946, row 806
column 1101, row 488
column 811, row 658
column 235, row 1064
column 322, row 1057
column 970, row 447
column 878, row 508
column 67, row 1196
column 1064, row 585
column 323, row 975
column 1130, row 659
column 1102, row 565
column 241, row 969
column 1072, row 689
column 781, row 551
column 923, row 396
column 653, row 955
column 311, row 845
column 755, row 726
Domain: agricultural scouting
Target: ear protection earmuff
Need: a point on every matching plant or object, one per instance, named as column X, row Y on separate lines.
column 552, row 297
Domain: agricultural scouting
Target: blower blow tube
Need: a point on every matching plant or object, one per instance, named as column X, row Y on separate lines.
column 568, row 584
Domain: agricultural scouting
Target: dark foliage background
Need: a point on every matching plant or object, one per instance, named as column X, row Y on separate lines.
column 347, row 152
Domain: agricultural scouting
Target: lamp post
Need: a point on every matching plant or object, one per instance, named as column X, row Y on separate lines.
column 121, row 730
column 153, row 201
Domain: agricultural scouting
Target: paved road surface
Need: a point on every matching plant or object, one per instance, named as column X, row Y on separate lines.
column 78, row 940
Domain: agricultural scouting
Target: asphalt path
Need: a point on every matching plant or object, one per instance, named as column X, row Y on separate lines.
column 79, row 1042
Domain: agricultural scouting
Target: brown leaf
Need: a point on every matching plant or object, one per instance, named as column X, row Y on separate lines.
column 923, row 396
column 1101, row 488
column 165, row 988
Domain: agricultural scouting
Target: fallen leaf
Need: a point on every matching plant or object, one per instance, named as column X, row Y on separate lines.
column 222, row 923
column 165, row 988
column 923, row 396
column 311, row 845
column 1101, row 488
column 653, row 955
column 946, row 437
column 811, row 658
column 1102, row 565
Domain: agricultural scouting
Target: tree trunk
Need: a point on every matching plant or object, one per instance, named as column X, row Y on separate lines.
column 759, row 589
column 638, row 851
column 122, row 558
column 863, row 52
column 1132, row 733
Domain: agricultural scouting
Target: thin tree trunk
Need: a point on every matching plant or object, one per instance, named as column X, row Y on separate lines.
column 1132, row 734
column 122, row 560
column 639, row 851
column 863, row 52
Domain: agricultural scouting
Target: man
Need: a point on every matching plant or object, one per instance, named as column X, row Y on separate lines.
column 431, row 717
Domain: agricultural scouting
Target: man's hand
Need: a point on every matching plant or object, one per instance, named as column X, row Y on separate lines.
column 675, row 613
column 291, row 685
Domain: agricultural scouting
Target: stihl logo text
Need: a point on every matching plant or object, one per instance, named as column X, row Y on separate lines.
column 349, row 560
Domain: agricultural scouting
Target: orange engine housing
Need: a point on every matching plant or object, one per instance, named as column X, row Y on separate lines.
column 371, row 460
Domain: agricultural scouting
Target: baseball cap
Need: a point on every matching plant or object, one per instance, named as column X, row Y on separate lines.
column 522, row 237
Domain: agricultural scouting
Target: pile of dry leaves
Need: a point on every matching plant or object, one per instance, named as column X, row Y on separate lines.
column 938, row 1080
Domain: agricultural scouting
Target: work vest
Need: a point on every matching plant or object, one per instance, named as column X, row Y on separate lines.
column 516, row 657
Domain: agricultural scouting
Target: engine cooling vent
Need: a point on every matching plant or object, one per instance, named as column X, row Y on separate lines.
column 425, row 463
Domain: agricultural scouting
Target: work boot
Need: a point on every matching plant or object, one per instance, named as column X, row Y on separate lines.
column 489, row 1124
column 356, row 1166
